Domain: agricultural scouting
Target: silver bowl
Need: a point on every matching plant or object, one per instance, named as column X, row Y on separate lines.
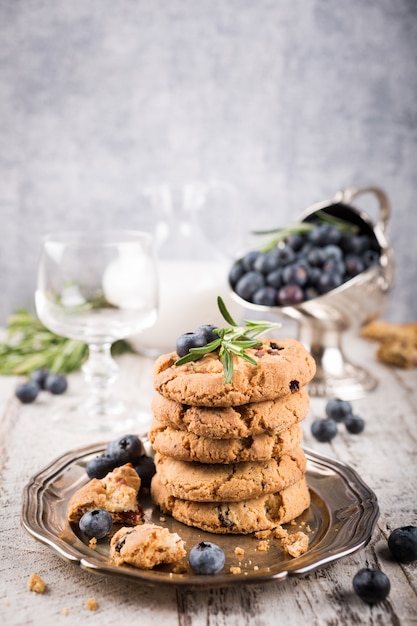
column 323, row 321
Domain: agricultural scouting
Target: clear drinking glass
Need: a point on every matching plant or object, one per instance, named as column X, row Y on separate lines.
column 98, row 288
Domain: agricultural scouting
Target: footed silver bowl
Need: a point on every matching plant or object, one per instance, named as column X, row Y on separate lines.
column 323, row 321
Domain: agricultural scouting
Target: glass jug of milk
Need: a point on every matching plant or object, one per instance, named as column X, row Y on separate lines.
column 192, row 270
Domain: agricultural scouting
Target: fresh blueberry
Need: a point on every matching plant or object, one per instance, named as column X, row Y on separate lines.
column 249, row 260
column 189, row 340
column 371, row 585
column 96, row 523
column 206, row 558
column 402, row 543
column 236, row 271
column 125, row 449
column 324, row 430
column 56, row 383
column 100, row 466
column 248, row 284
column 266, row 262
column 290, row 295
column 295, row 274
column 354, row 424
column 145, row 467
column 27, row 392
column 208, row 331
column 338, row 410
column 267, row 296
column 274, row 279
column 39, row 376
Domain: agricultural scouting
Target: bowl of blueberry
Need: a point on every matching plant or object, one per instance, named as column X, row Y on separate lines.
column 330, row 271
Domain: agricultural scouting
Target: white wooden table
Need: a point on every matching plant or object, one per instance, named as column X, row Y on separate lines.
column 384, row 455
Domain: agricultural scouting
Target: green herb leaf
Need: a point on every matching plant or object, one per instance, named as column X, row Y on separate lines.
column 29, row 346
column 233, row 340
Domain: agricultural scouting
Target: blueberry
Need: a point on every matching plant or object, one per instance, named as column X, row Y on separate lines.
column 266, row 296
column 328, row 281
column 354, row 424
column 338, row 409
column 353, row 265
column 56, row 383
column 290, row 295
column 27, row 392
column 145, row 467
column 100, row 466
column 324, row 430
column 208, row 331
column 248, row 284
column 206, row 558
column 249, row 260
column 236, row 271
column 39, row 376
column 274, row 279
column 266, row 262
column 189, row 340
column 371, row 585
column 96, row 523
column 295, row 274
column 402, row 543
column 125, row 449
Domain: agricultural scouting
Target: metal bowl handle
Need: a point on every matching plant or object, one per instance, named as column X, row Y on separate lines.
column 347, row 195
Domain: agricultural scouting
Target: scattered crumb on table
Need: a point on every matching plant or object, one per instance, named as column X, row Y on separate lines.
column 91, row 604
column 239, row 551
column 36, row 584
column 263, row 546
column 235, row 570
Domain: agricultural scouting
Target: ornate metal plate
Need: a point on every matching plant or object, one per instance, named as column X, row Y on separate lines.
column 340, row 520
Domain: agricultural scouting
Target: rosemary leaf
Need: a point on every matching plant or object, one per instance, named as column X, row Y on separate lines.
column 233, row 340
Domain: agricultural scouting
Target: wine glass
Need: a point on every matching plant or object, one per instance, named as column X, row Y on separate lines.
column 98, row 288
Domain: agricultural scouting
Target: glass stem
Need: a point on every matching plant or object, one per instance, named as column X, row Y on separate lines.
column 100, row 371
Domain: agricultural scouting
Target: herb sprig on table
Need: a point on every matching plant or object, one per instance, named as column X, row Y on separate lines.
column 233, row 340
column 29, row 346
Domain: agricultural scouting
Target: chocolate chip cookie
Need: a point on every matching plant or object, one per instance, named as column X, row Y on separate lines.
column 233, row 422
column 283, row 367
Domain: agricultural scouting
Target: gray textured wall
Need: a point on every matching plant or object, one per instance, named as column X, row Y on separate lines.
column 289, row 100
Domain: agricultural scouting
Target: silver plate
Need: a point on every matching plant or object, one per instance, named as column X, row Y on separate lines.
column 340, row 520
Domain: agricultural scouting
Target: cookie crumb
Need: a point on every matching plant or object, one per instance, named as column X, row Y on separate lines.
column 92, row 543
column 36, row 584
column 235, row 570
column 308, row 529
column 256, row 567
column 162, row 519
column 263, row 546
column 239, row 551
column 91, row 604
column 6, row 603
column 280, row 532
column 64, row 611
column 263, row 534
column 293, row 522
column 296, row 544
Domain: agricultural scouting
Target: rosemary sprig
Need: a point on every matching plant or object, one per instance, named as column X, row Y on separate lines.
column 305, row 227
column 29, row 346
column 233, row 340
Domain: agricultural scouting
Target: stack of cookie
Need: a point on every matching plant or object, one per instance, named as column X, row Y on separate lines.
column 228, row 456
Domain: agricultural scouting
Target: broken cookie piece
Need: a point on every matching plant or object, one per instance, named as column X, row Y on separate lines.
column 117, row 493
column 146, row 546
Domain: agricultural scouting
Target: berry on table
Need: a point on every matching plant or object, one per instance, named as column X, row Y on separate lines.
column 27, row 392
column 402, row 544
column 371, row 585
column 324, row 430
column 338, row 409
column 206, row 558
column 96, row 523
column 56, row 383
column 39, row 376
column 354, row 424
